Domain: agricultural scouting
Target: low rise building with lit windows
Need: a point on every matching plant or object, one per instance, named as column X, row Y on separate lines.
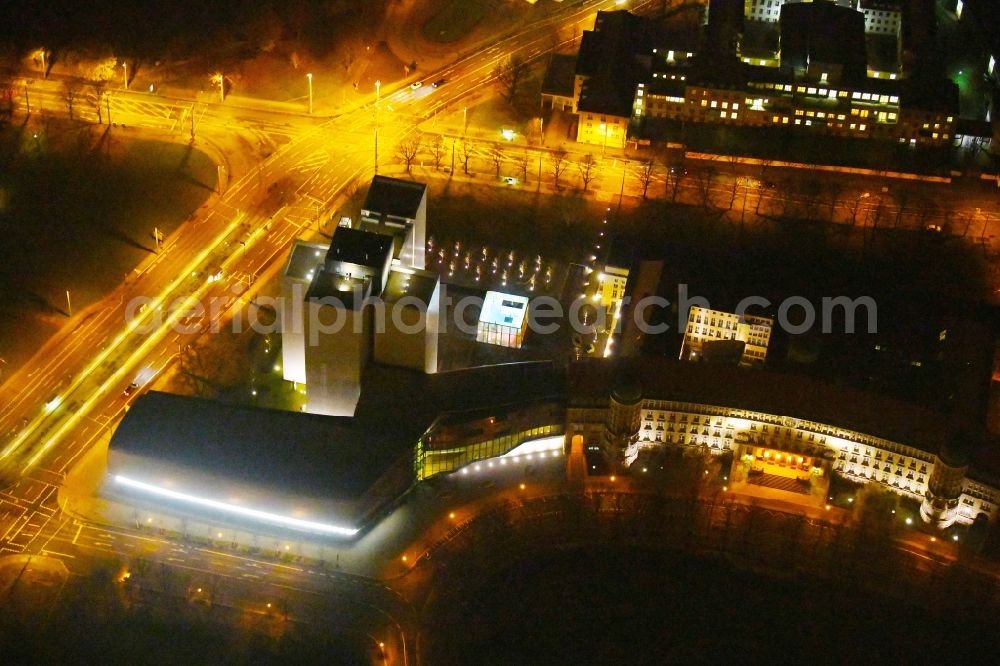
column 258, row 472
column 706, row 328
column 503, row 320
column 816, row 77
column 755, row 417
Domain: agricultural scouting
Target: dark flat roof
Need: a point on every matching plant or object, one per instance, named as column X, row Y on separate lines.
column 406, row 282
column 610, row 58
column 826, row 33
column 765, row 391
column 327, row 284
column 304, row 259
column 312, row 455
column 416, row 400
column 560, row 76
column 355, row 246
column 391, row 196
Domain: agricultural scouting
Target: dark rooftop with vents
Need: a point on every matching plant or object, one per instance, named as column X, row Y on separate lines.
column 392, row 197
column 764, row 391
column 614, row 57
column 822, row 32
column 362, row 248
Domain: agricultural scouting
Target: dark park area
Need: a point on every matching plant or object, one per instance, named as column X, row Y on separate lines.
column 78, row 211
column 618, row 605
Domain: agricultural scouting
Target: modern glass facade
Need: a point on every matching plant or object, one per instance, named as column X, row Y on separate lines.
column 429, row 461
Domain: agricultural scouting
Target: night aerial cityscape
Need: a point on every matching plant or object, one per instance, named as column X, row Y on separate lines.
column 404, row 332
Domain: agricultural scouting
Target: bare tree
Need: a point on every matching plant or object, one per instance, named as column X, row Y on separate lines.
column 348, row 59
column 194, row 373
column 925, row 209
column 675, row 171
column 854, row 206
column 521, row 162
column 437, row 151
column 98, row 87
column 408, row 149
column 588, row 170
column 70, row 91
column 465, row 154
column 811, row 192
column 510, row 74
column 903, row 196
column 496, row 156
column 704, row 179
column 833, row 191
column 8, row 96
column 647, row 169
column 733, row 161
column 557, row 159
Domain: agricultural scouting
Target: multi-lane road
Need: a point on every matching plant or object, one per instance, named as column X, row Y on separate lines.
column 69, row 397
column 70, row 394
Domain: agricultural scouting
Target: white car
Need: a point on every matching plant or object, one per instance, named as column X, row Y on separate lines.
column 416, row 85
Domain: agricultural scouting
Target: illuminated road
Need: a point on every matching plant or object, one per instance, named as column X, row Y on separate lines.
column 69, row 396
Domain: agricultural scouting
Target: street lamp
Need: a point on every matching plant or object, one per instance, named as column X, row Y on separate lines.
column 125, row 69
column 310, row 77
column 222, row 87
column 378, row 97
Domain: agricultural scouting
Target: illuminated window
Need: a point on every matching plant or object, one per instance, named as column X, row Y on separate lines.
column 704, row 102
column 714, row 104
column 862, row 127
column 811, row 91
column 735, row 106
column 934, row 135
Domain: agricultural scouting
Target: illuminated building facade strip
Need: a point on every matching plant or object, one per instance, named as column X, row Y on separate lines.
column 245, row 512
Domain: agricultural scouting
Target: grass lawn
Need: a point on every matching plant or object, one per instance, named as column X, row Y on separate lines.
column 78, row 212
column 456, row 19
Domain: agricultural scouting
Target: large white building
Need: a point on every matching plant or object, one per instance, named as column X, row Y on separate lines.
column 364, row 297
column 881, row 16
column 748, row 335
column 862, row 437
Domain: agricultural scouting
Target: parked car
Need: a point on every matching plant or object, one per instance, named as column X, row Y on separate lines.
column 439, row 83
